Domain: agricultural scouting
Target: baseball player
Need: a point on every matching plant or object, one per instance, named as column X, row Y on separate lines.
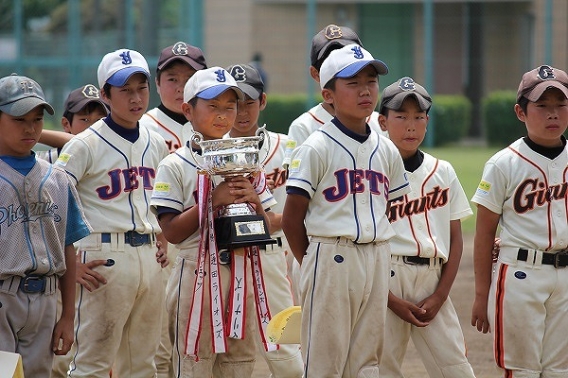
column 523, row 190
column 113, row 166
column 41, row 218
column 328, row 39
column 341, row 179
column 427, row 248
column 286, row 361
column 201, row 348
column 83, row 107
column 176, row 64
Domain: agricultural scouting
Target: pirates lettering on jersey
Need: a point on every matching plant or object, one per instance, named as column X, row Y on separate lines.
column 533, row 192
column 279, row 176
column 353, row 182
column 126, row 180
column 28, row 213
column 436, row 198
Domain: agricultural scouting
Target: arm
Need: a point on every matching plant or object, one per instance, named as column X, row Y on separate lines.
column 275, row 221
column 485, row 229
column 55, row 138
column 63, row 331
column 178, row 227
column 433, row 303
column 162, row 252
column 293, row 216
column 407, row 311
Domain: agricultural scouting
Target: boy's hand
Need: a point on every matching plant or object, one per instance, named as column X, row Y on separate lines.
column 62, row 338
column 162, row 255
column 407, row 311
column 431, row 305
column 242, row 190
column 86, row 276
column 496, row 249
column 479, row 318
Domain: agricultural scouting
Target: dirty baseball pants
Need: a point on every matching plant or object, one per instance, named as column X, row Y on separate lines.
column 120, row 321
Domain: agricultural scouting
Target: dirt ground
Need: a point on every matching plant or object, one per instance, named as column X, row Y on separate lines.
column 479, row 345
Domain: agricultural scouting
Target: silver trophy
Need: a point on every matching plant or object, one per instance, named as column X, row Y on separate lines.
column 236, row 225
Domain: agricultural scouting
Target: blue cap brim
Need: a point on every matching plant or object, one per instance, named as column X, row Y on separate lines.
column 216, row 91
column 120, row 78
column 354, row 68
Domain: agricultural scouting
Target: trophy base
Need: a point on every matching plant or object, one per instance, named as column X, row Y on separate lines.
column 242, row 231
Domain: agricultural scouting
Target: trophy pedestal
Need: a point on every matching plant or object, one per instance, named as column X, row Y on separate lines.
column 241, row 231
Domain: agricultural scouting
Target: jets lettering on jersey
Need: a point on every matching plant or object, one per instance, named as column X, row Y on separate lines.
column 126, row 180
column 28, row 213
column 437, row 197
column 353, row 182
column 533, row 192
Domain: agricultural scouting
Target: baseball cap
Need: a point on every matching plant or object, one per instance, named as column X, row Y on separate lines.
column 117, row 67
column 394, row 95
column 535, row 82
column 347, row 62
column 330, row 38
column 209, row 83
column 20, row 94
column 183, row 52
column 248, row 79
column 80, row 97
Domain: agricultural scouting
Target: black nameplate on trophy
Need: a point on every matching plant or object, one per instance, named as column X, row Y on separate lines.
column 242, row 231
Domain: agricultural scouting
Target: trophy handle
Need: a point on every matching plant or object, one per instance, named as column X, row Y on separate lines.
column 196, row 137
column 263, row 134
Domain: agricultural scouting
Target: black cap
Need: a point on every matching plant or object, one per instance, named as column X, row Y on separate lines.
column 80, row 97
column 328, row 39
column 248, row 79
column 184, row 52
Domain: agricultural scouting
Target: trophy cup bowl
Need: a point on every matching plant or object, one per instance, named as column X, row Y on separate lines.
column 236, row 225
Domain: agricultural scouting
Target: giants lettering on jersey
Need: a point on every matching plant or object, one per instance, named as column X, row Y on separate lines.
column 126, row 180
column 437, row 197
column 533, row 192
column 29, row 212
column 279, row 176
column 352, row 182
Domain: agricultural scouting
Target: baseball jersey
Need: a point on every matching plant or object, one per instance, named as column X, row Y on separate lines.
column 422, row 217
column 176, row 188
column 349, row 183
column 174, row 133
column 303, row 126
column 122, row 186
column 50, row 155
column 529, row 191
column 40, row 214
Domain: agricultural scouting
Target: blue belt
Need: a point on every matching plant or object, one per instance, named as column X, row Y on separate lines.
column 131, row 237
column 33, row 284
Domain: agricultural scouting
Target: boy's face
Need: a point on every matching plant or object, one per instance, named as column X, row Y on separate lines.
column 547, row 119
column 213, row 118
column 248, row 112
column 170, row 85
column 406, row 126
column 130, row 102
column 355, row 98
column 18, row 135
column 83, row 119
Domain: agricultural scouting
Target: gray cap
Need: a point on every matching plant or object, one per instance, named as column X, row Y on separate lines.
column 19, row 95
column 248, row 79
column 394, row 95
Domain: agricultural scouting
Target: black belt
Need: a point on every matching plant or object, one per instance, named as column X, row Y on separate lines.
column 417, row 260
column 278, row 243
column 558, row 259
column 131, row 237
column 33, row 284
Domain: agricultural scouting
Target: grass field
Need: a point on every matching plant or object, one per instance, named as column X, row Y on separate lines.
column 468, row 163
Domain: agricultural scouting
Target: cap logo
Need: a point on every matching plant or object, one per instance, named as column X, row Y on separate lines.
column 357, row 52
column 239, row 73
column 221, row 76
column 90, row 91
column 126, row 59
column 333, row 32
column 27, row 86
column 407, row 84
column 546, row 73
column 180, row 48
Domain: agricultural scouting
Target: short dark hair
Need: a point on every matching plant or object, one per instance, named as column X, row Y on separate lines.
column 331, row 84
column 91, row 107
column 523, row 103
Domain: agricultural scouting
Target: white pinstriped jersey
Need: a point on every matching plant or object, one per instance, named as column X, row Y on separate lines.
column 349, row 183
column 115, row 177
column 422, row 217
column 530, row 192
column 176, row 188
column 303, row 126
column 174, row 133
